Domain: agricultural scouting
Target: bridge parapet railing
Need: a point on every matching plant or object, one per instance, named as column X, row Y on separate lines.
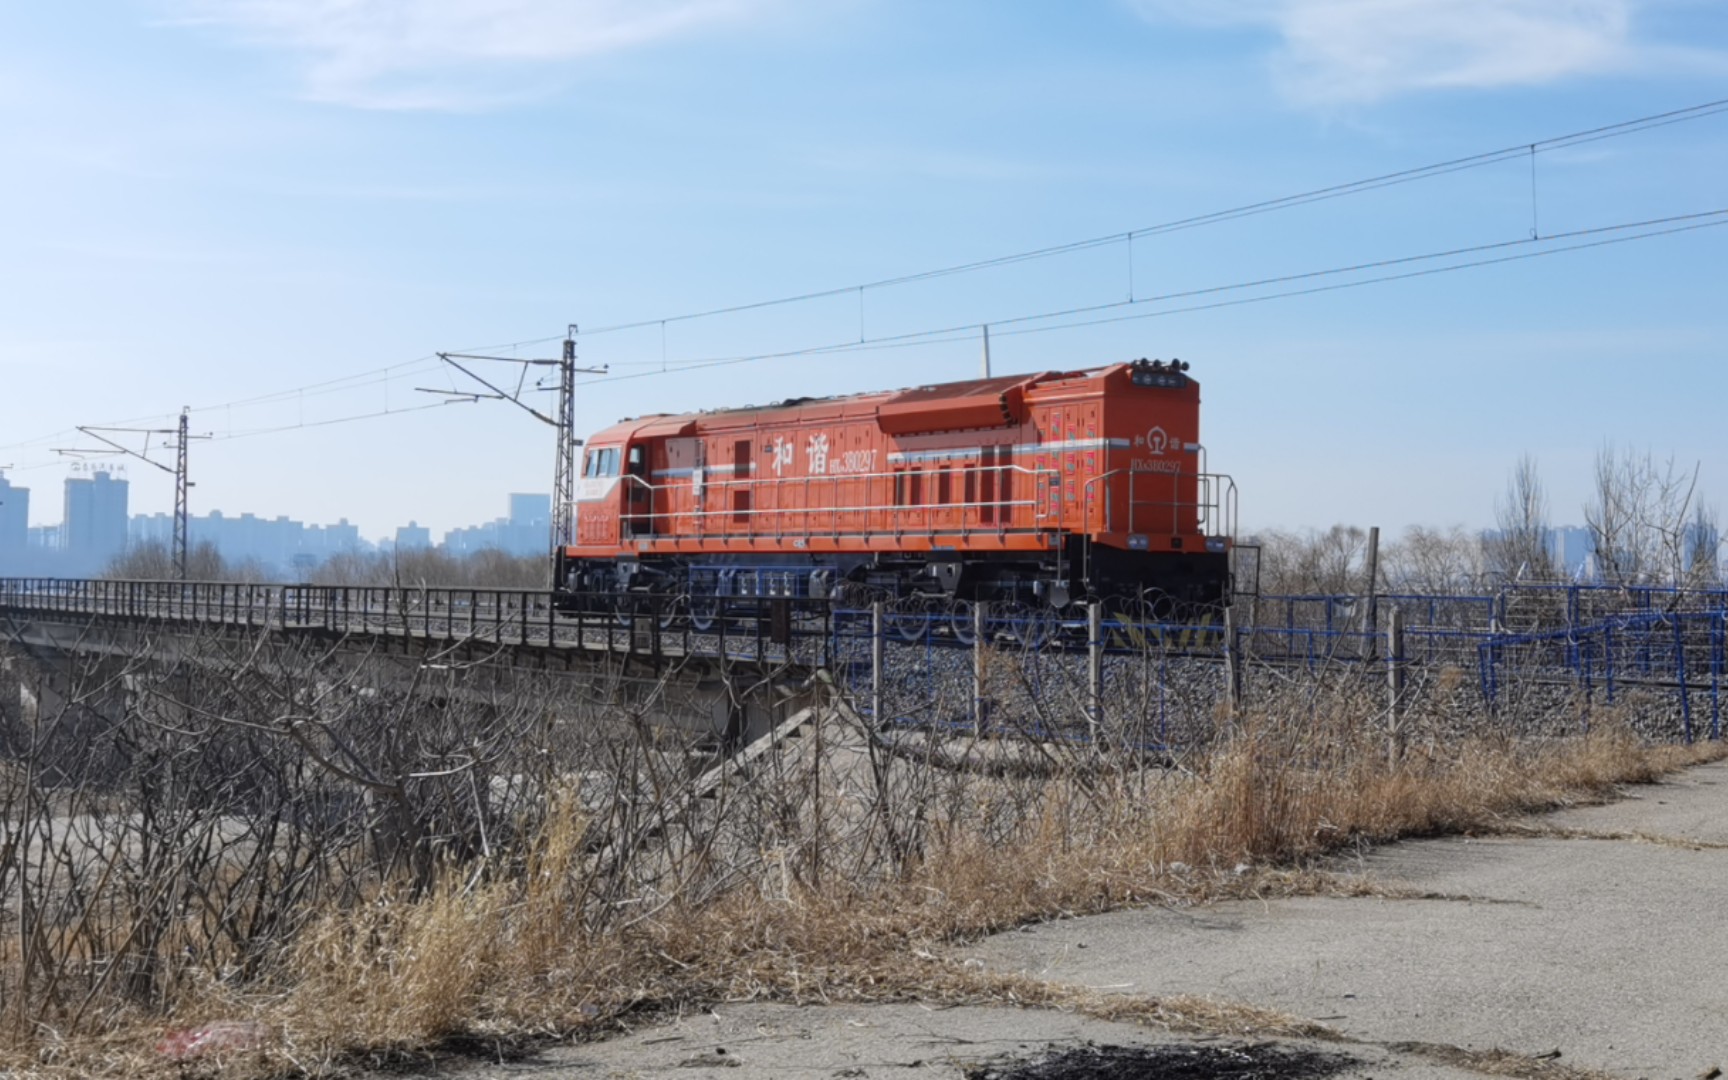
column 741, row 628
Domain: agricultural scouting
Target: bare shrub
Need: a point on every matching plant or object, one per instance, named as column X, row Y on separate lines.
column 432, row 567
column 1518, row 549
column 1639, row 515
column 1313, row 563
column 152, row 561
column 1434, row 562
column 357, row 851
column 488, row 568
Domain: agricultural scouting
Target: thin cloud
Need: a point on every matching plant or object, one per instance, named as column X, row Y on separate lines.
column 1358, row 51
column 448, row 54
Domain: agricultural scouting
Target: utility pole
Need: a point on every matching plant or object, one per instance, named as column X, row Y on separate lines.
column 180, row 471
column 986, row 368
column 563, row 420
column 182, row 520
column 564, row 469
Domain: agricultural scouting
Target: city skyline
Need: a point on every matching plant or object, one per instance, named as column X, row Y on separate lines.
column 521, row 506
column 97, row 525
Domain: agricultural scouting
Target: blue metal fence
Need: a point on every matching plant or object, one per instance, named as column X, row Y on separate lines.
column 1676, row 659
column 1678, row 653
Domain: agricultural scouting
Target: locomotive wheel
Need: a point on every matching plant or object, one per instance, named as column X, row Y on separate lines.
column 673, row 611
column 908, row 622
column 908, row 628
column 961, row 622
column 623, row 610
column 703, row 612
column 1039, row 628
column 852, row 596
column 1030, row 626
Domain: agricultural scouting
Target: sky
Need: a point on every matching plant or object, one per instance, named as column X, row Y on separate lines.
column 277, row 213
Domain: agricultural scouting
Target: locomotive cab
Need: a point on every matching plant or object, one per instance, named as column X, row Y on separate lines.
column 599, row 503
column 615, row 499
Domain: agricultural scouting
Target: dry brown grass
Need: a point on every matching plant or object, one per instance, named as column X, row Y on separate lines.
column 1498, row 1062
column 1543, row 831
column 531, row 944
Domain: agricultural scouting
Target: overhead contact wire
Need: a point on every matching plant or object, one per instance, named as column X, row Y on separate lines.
column 1403, row 176
column 968, row 330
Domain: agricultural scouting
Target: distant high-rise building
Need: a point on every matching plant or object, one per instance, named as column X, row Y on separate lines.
column 326, row 540
column 525, row 531
column 530, row 510
column 14, row 517
column 413, row 537
column 95, row 521
column 1571, row 547
column 1703, row 548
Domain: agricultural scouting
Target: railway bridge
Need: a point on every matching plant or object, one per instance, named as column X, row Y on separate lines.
column 736, row 667
column 727, row 673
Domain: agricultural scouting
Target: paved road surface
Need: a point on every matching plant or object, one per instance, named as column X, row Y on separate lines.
column 1613, row 952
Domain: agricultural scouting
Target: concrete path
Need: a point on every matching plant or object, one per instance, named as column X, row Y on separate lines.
column 859, row 1042
column 1613, row 952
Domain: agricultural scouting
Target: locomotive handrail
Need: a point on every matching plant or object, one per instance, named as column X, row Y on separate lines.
column 778, row 515
column 1225, row 503
column 1206, row 504
column 738, row 505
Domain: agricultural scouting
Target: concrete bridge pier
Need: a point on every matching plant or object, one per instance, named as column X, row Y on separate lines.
column 17, row 700
column 54, row 712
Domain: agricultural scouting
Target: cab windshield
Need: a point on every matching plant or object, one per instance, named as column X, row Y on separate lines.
column 601, row 462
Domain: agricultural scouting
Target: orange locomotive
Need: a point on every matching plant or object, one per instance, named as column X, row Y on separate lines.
column 1033, row 489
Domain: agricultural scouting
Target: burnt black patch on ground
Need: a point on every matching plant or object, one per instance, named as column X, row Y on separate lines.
column 1173, row 1061
column 452, row 1050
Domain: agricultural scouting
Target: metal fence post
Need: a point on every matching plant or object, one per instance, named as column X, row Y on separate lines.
column 1095, row 667
column 1680, row 678
column 979, row 674
column 1716, row 618
column 1395, row 684
column 1608, row 657
column 878, row 647
column 1370, row 624
column 1232, row 663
